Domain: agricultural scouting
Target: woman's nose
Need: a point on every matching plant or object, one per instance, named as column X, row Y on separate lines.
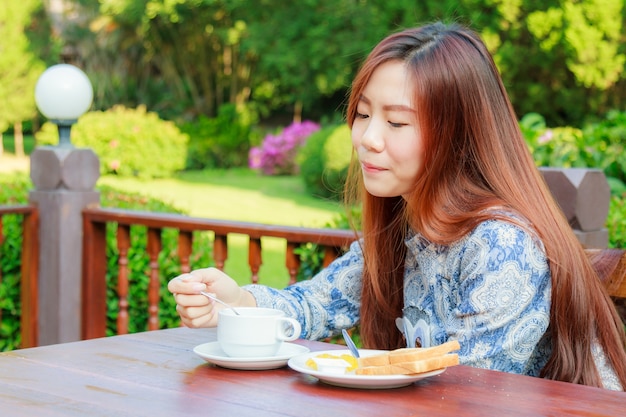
column 372, row 138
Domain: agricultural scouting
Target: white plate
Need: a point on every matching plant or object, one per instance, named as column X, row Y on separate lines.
column 213, row 353
column 298, row 363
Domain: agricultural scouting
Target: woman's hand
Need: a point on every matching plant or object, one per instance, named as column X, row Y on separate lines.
column 195, row 309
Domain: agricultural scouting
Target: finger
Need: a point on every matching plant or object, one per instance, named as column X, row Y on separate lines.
column 185, row 284
column 193, row 300
column 193, row 276
column 195, row 316
column 205, row 275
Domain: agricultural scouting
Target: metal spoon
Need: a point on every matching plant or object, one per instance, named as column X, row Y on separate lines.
column 350, row 343
column 214, row 298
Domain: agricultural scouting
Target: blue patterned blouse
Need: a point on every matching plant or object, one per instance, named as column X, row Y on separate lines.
column 490, row 291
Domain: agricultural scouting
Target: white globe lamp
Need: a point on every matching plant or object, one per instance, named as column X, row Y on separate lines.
column 63, row 93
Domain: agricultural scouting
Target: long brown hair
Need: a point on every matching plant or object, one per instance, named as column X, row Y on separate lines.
column 475, row 159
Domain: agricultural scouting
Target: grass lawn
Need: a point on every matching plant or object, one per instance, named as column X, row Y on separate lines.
column 243, row 195
column 236, row 194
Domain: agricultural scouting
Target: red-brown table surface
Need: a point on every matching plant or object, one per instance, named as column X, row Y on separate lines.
column 157, row 374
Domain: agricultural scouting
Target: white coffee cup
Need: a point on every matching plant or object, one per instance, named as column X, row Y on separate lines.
column 255, row 332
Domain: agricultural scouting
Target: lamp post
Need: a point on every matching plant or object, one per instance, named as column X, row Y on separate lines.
column 64, row 178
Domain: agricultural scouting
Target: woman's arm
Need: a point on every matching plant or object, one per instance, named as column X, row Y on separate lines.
column 326, row 303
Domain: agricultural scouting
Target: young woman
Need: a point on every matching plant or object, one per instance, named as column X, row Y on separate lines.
column 461, row 237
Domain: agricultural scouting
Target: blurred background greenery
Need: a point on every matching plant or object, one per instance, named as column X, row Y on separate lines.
column 271, row 62
column 191, row 85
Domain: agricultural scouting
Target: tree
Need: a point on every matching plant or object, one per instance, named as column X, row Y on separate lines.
column 178, row 57
column 185, row 58
column 19, row 66
column 588, row 37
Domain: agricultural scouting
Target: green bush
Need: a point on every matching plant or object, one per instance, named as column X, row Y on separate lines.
column 129, row 143
column 616, row 222
column 324, row 161
column 608, row 137
column 555, row 147
column 14, row 190
column 312, row 255
column 598, row 145
column 220, row 142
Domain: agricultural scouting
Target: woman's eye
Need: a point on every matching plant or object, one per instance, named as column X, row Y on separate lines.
column 361, row 115
column 393, row 124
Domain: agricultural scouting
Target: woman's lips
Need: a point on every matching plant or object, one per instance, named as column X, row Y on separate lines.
column 371, row 168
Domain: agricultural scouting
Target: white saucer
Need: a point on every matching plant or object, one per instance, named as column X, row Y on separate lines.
column 213, row 353
column 351, row 380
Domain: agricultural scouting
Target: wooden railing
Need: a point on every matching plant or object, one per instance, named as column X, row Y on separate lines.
column 95, row 263
column 611, row 263
column 29, row 270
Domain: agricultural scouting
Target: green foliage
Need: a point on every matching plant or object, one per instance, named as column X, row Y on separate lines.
column 312, row 255
column 314, row 47
column 19, row 65
column 220, row 142
column 608, row 137
column 598, row 145
column 181, row 58
column 556, row 147
column 590, row 32
column 12, row 191
column 337, row 153
column 10, row 304
column 616, row 221
column 562, row 58
column 311, row 260
column 186, row 58
column 324, row 161
column 129, row 142
column 139, row 264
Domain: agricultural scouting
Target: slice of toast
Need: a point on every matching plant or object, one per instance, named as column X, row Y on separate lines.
column 409, row 354
column 418, row 354
column 409, row 368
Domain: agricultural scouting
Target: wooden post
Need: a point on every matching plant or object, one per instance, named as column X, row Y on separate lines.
column 584, row 196
column 64, row 180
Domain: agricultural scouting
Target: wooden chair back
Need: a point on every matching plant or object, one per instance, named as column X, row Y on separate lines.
column 611, row 267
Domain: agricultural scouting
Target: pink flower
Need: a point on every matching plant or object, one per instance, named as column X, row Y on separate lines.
column 277, row 153
column 546, row 137
column 255, row 157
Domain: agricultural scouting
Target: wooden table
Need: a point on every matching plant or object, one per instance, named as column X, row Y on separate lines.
column 157, row 374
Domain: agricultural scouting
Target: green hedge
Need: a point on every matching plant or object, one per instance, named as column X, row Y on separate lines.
column 139, row 263
column 129, row 142
column 12, row 191
column 600, row 145
column 220, row 142
column 324, row 161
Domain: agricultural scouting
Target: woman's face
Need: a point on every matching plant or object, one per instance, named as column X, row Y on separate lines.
column 385, row 135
